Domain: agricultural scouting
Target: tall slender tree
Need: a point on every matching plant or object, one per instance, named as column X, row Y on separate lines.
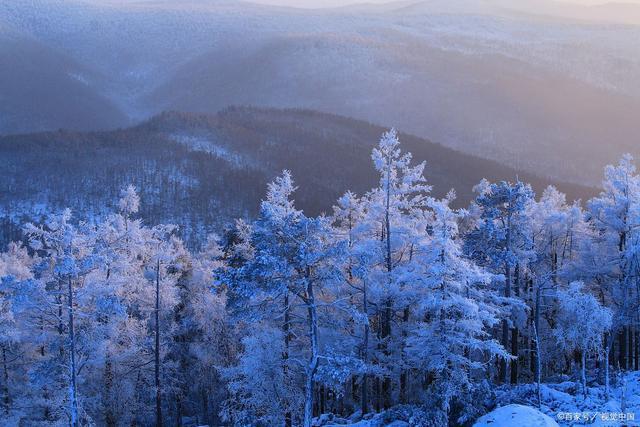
column 501, row 242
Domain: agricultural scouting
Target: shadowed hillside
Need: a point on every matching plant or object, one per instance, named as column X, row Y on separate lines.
column 200, row 171
column 43, row 88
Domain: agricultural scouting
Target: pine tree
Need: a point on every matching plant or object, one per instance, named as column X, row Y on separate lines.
column 290, row 261
column 396, row 217
column 362, row 253
column 501, row 242
column 458, row 310
column 615, row 217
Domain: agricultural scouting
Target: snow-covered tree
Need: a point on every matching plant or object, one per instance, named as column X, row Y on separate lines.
column 396, row 299
column 15, row 268
column 615, row 217
column 71, row 260
column 457, row 309
column 573, row 332
column 396, row 219
column 291, row 266
column 361, row 255
column 501, row 241
column 559, row 236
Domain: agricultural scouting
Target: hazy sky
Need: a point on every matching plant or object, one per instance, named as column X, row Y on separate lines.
column 331, row 3
column 334, row 3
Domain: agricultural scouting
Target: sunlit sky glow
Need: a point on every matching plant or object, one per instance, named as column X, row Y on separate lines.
column 333, row 3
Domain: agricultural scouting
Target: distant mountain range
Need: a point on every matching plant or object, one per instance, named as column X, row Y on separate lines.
column 200, row 170
column 542, row 86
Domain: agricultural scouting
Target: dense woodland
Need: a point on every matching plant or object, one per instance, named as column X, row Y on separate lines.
column 202, row 171
column 395, row 299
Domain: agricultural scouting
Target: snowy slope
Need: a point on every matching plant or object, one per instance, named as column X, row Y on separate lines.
column 512, row 415
column 565, row 404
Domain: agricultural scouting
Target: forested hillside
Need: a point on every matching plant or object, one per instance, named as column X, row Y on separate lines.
column 393, row 309
column 201, row 171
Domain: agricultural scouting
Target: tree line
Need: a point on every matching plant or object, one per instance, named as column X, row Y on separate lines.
column 394, row 300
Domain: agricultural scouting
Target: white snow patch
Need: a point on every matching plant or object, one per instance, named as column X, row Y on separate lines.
column 198, row 143
column 80, row 78
column 515, row 415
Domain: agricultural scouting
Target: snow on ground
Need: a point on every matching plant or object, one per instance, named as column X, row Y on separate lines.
column 562, row 404
column 565, row 403
column 398, row 416
column 515, row 415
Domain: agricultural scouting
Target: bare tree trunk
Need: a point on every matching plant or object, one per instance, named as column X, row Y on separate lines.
column 387, row 221
column 532, row 355
column 584, row 373
column 536, row 327
column 607, row 351
column 45, row 390
column 135, row 410
column 364, row 403
column 285, row 355
column 505, row 327
column 507, row 293
column 72, row 341
column 404, row 373
column 538, row 365
column 322, row 403
column 178, row 410
column 386, row 382
column 622, row 355
column 378, row 394
column 59, row 303
column 612, row 349
column 636, row 350
column 515, row 340
column 157, row 350
column 109, row 416
column 314, row 358
column 5, row 369
column 630, row 348
column 514, row 351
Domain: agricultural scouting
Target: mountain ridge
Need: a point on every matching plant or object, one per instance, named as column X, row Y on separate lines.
column 203, row 170
column 526, row 91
